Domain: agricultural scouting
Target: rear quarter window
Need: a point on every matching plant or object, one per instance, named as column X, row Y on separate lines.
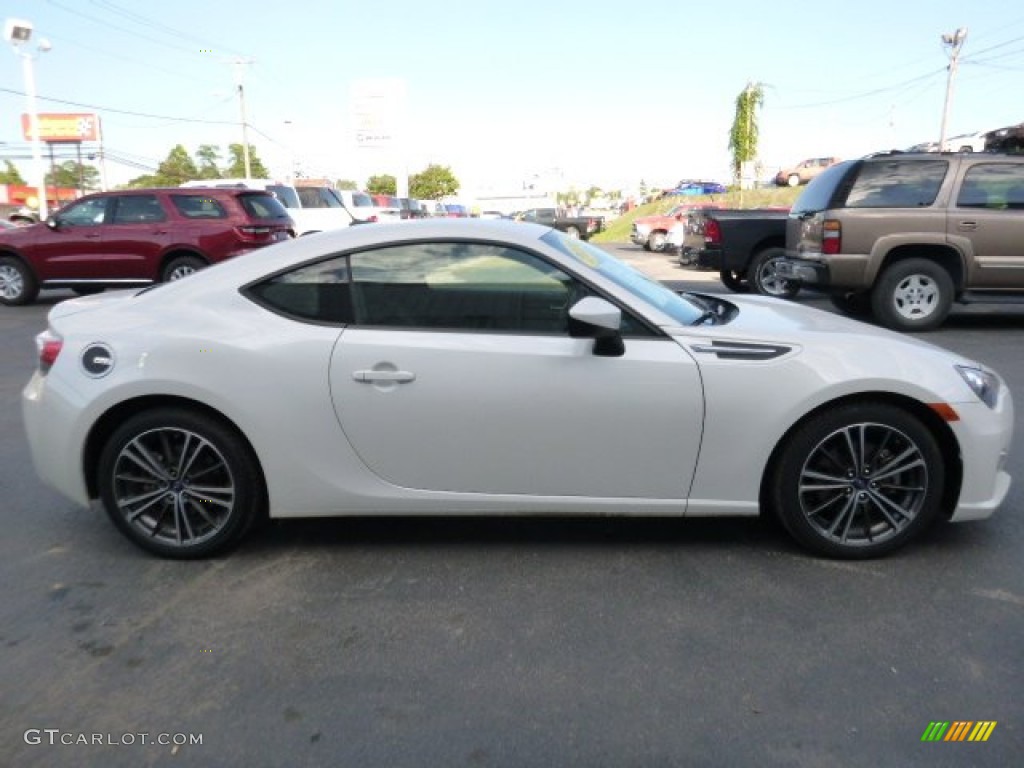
column 261, row 205
column 198, row 207
column 820, row 193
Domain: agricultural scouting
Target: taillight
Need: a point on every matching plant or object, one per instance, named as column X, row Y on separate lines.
column 48, row 345
column 372, row 218
column 712, row 232
column 831, row 237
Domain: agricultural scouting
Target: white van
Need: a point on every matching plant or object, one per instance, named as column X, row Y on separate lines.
column 313, row 209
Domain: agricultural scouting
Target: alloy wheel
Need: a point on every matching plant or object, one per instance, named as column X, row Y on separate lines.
column 12, row 285
column 173, row 486
column 863, row 484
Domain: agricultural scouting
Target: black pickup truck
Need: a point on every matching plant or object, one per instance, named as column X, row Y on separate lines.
column 574, row 226
column 744, row 245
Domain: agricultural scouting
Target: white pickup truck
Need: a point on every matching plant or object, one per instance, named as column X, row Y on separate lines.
column 313, row 209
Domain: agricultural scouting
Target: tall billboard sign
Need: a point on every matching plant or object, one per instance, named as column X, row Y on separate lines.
column 378, row 110
column 57, row 127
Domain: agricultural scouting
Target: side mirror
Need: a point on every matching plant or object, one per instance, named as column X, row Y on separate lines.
column 51, row 222
column 599, row 319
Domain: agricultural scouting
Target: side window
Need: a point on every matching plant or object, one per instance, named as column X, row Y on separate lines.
column 461, row 286
column 198, row 207
column 88, row 213
column 310, row 197
column 993, row 185
column 137, row 209
column 895, row 184
column 316, row 292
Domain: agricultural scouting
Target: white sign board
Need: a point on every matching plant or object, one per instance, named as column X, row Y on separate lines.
column 378, row 111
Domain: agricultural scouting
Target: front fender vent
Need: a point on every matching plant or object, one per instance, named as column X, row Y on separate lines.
column 739, row 350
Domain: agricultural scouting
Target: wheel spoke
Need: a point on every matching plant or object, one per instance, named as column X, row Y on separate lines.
column 821, row 507
column 201, row 512
column 137, row 453
column 150, row 500
column 853, row 451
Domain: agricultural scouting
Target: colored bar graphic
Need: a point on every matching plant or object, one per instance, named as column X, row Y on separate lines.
column 959, row 730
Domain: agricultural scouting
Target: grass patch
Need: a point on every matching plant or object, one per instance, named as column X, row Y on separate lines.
column 617, row 231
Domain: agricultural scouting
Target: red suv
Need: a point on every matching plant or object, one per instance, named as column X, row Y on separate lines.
column 135, row 237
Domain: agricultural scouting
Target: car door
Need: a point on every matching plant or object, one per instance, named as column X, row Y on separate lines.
column 460, row 374
column 987, row 219
column 71, row 247
column 138, row 231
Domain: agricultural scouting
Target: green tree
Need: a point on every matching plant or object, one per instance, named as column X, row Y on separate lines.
column 384, row 184
column 347, row 184
column 744, row 133
column 236, row 168
column 10, row 174
column 176, row 168
column 73, row 175
column 433, row 183
column 207, row 156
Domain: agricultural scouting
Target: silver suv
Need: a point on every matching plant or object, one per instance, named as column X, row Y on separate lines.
column 901, row 236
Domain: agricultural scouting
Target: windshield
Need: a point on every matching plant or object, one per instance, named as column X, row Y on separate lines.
column 680, row 309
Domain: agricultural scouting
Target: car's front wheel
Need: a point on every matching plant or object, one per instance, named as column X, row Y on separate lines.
column 17, row 283
column 179, row 483
column 573, row 232
column 858, row 481
column 913, row 295
column 793, row 180
column 763, row 274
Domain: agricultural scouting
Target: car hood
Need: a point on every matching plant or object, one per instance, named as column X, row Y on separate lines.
column 776, row 321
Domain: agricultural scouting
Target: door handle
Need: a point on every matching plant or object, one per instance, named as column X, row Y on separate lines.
column 967, row 226
column 396, row 377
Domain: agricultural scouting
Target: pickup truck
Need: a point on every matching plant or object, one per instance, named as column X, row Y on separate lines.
column 744, row 245
column 902, row 236
column 651, row 232
column 582, row 227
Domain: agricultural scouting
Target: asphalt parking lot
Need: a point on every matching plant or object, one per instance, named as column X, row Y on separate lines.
column 591, row 642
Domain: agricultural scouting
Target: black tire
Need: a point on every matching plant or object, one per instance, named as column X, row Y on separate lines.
column 179, row 484
column 573, row 232
column 762, row 274
column 181, row 266
column 18, row 285
column 822, row 485
column 912, row 295
column 854, row 304
column 657, row 241
column 88, row 290
column 734, row 281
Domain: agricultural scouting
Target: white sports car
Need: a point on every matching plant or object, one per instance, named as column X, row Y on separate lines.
column 473, row 367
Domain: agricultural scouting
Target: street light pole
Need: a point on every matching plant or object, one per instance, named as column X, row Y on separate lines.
column 954, row 43
column 19, row 33
column 239, row 63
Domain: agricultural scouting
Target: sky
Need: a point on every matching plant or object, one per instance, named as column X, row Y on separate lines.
column 555, row 92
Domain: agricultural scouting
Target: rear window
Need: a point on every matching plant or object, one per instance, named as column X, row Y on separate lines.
column 318, row 197
column 198, row 207
column 897, row 184
column 261, row 205
column 285, row 194
column 819, row 193
column 361, row 200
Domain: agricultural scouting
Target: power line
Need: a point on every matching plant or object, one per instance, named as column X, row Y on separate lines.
column 170, row 118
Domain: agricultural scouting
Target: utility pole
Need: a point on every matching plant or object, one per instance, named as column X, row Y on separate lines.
column 240, row 64
column 953, row 43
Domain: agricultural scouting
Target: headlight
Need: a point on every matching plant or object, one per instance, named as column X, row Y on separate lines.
column 984, row 384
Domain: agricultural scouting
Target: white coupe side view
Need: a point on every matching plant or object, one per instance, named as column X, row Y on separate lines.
column 452, row 367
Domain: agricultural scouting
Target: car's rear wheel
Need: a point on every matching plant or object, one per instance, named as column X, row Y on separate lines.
column 17, row 283
column 181, row 266
column 657, row 241
column 859, row 481
column 763, row 274
column 912, row 295
column 573, row 232
column 734, row 281
column 793, row 180
column 179, row 483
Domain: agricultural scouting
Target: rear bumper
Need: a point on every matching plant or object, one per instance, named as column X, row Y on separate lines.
column 806, row 272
